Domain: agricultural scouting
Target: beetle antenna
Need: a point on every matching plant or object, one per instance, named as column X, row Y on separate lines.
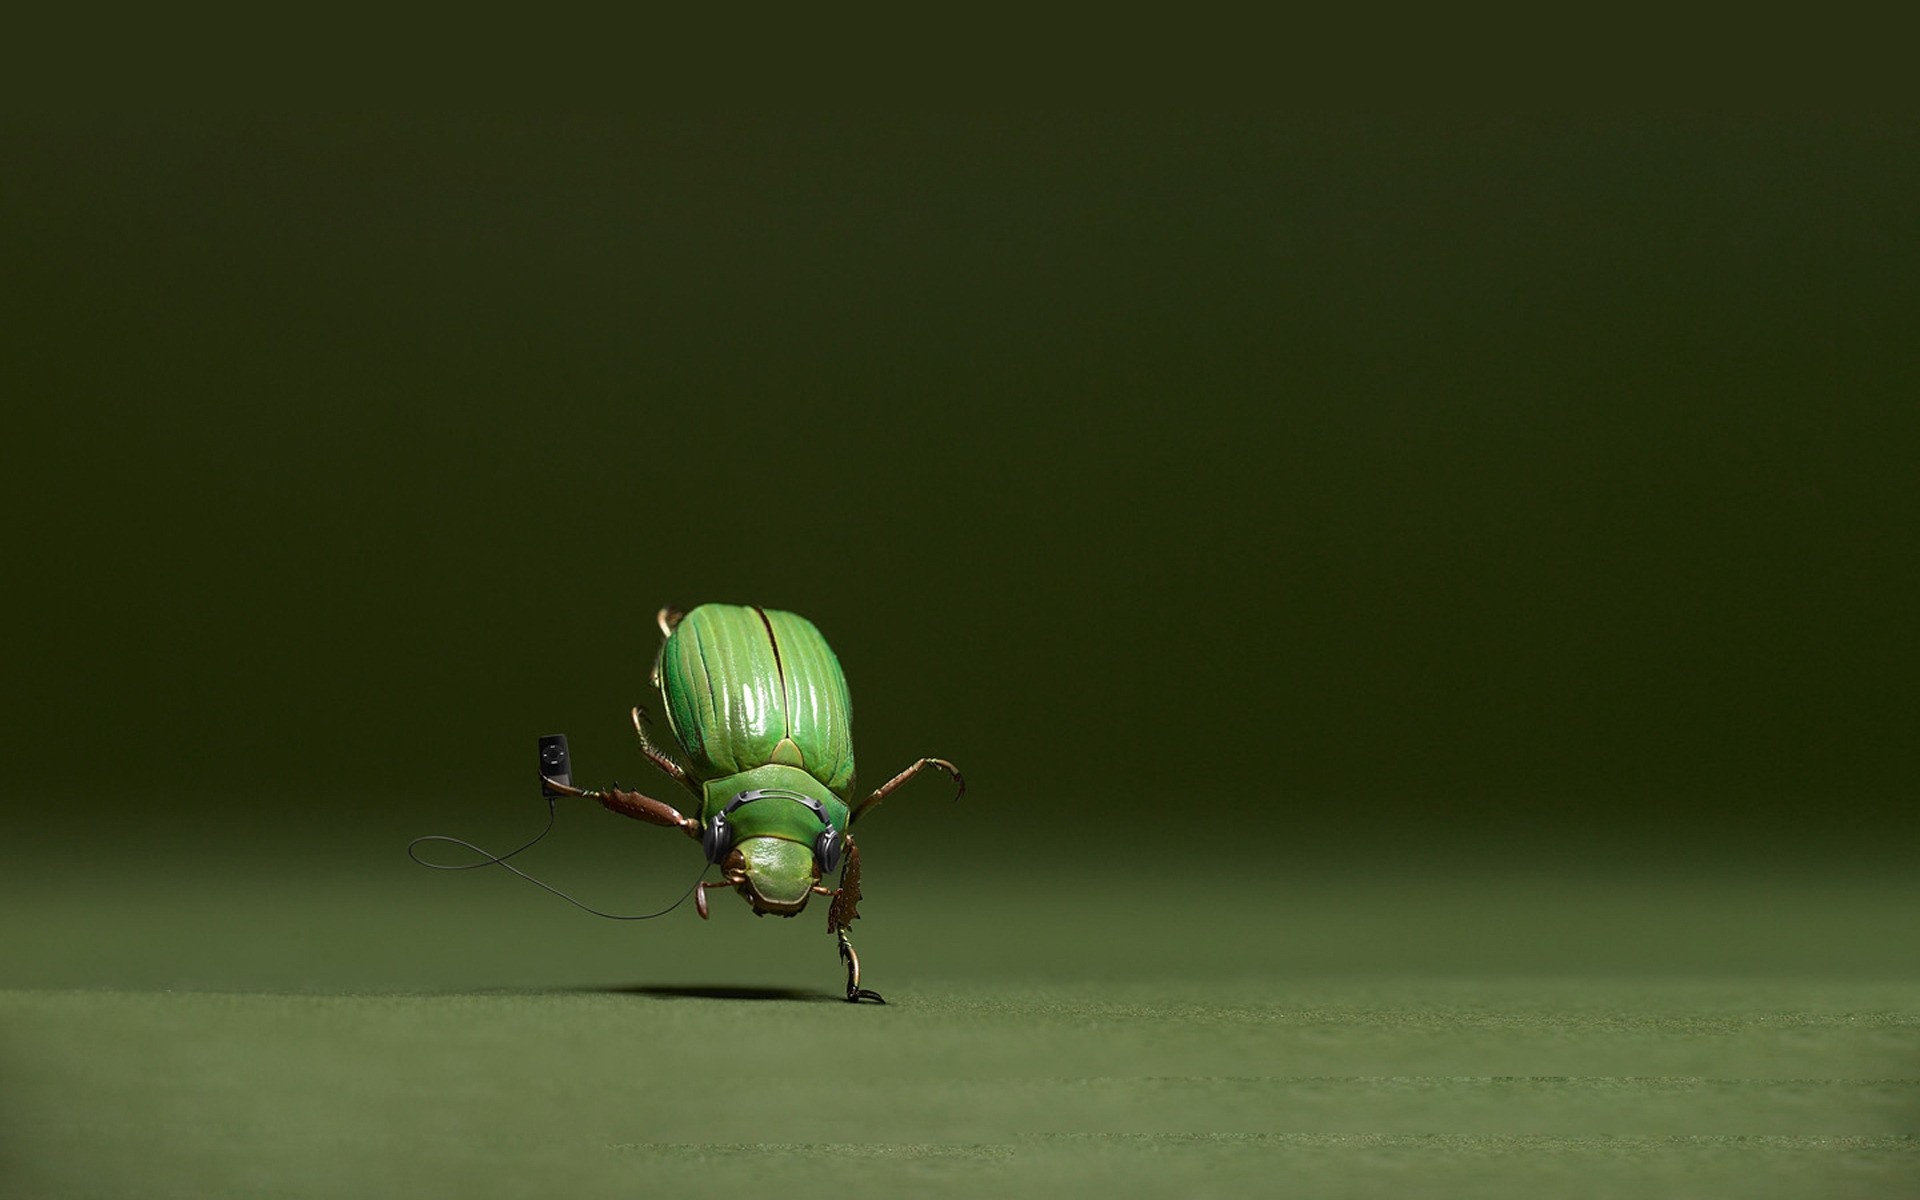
column 488, row 860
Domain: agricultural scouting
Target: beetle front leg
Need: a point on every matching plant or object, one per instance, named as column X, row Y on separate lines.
column 845, row 909
column 855, row 993
column 843, row 912
column 632, row 804
column 700, row 895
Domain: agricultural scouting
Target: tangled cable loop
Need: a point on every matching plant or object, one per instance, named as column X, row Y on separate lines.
column 491, row 860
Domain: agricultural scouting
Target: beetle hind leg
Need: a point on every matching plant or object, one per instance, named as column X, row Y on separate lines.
column 887, row 789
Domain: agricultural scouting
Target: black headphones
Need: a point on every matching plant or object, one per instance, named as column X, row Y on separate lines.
column 717, row 838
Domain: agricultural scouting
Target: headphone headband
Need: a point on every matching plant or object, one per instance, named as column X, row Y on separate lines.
column 717, row 839
column 819, row 809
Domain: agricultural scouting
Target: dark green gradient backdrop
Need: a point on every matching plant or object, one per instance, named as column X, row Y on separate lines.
column 1392, row 486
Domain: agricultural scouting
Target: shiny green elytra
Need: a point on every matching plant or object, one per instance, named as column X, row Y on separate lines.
column 757, row 699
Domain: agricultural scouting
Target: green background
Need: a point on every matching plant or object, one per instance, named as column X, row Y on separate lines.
column 1421, row 602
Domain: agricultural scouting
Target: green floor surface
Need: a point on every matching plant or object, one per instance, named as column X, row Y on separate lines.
column 1328, row 1037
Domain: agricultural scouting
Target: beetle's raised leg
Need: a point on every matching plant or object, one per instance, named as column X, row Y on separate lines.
column 643, row 725
column 631, row 804
column 886, row 789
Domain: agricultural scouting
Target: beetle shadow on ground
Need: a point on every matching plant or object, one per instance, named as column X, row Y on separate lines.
column 715, row 991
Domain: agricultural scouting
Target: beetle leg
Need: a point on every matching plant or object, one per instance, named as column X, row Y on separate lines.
column 842, row 913
column 886, row 789
column 845, row 909
column 643, row 725
column 855, row 993
column 631, row 804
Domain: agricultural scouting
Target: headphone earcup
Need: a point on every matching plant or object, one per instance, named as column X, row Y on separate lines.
column 717, row 838
column 826, row 848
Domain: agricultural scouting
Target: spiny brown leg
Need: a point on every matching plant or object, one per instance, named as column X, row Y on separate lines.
column 886, row 789
column 843, row 911
column 643, row 725
column 631, row 804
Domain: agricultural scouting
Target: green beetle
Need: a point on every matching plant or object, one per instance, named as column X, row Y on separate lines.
column 759, row 707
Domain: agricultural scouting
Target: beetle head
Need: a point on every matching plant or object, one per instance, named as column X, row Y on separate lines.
column 775, row 875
